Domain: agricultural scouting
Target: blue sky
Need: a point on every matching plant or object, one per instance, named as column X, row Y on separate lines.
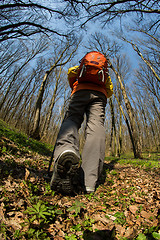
column 59, row 24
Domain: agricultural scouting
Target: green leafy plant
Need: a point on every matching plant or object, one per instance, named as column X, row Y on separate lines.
column 23, row 141
column 18, row 234
column 156, row 235
column 3, row 230
column 72, row 237
column 89, row 196
column 114, row 172
column 48, row 190
column 141, row 236
column 76, row 228
column 88, row 223
column 120, row 218
column 4, row 149
column 150, row 233
column 34, row 189
column 76, row 207
column 36, row 234
column 40, row 212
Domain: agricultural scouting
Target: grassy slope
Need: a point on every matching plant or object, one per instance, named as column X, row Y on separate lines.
column 125, row 206
column 23, row 141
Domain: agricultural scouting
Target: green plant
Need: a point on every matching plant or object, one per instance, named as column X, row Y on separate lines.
column 36, row 234
column 4, row 149
column 114, row 172
column 156, row 235
column 48, row 190
column 40, row 212
column 110, row 181
column 18, row 234
column 23, row 141
column 101, row 194
column 149, row 233
column 133, row 199
column 89, row 196
column 76, row 207
column 140, row 208
column 88, row 223
column 120, row 218
column 33, row 188
column 3, row 230
column 72, row 237
column 141, row 236
column 76, row 228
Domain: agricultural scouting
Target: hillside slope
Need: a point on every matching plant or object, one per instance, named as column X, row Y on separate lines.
column 126, row 205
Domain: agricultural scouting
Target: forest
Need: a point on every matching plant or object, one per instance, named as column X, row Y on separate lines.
column 40, row 40
column 36, row 54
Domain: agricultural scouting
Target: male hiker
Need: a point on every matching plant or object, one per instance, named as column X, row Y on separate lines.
column 91, row 86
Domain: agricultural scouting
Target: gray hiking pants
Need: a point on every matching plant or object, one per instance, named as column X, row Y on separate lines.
column 92, row 103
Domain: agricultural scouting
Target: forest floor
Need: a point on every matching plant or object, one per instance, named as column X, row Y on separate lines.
column 126, row 205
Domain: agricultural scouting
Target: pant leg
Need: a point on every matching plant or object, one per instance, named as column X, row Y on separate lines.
column 68, row 137
column 94, row 149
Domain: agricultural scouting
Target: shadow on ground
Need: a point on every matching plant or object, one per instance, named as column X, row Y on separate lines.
column 106, row 167
column 99, row 235
column 18, row 170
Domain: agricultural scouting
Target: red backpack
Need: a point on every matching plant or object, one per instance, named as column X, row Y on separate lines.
column 93, row 68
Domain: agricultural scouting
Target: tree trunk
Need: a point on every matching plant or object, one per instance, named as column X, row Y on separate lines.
column 136, row 49
column 128, row 126
column 135, row 138
column 35, row 132
column 113, row 131
column 51, row 106
column 36, row 124
column 133, row 131
column 120, row 135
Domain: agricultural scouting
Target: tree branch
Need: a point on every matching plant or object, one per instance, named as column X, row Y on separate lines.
column 15, row 25
column 26, row 5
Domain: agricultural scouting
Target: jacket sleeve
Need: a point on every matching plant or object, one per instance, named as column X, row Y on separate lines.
column 109, row 87
column 72, row 75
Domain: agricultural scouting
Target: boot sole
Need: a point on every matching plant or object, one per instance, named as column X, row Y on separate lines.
column 65, row 173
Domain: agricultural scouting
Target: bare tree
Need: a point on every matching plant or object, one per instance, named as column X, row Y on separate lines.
column 134, row 134
column 63, row 57
column 58, row 77
column 15, row 78
column 58, row 115
column 113, row 135
column 107, row 11
column 146, row 61
column 103, row 44
column 20, row 19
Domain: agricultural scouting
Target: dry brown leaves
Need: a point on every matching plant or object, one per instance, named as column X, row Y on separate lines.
column 126, row 204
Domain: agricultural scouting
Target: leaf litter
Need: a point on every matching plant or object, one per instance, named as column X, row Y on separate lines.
column 126, row 204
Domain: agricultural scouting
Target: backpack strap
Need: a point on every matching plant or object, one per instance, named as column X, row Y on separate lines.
column 101, row 72
column 83, row 70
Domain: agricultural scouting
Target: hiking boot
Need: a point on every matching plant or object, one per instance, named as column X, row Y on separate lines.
column 90, row 190
column 65, row 172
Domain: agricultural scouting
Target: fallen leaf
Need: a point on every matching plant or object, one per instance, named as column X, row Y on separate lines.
column 13, row 222
column 120, row 229
column 101, row 218
column 130, row 233
column 2, row 211
column 133, row 209
column 20, row 203
column 147, row 215
column 27, row 173
column 10, row 214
